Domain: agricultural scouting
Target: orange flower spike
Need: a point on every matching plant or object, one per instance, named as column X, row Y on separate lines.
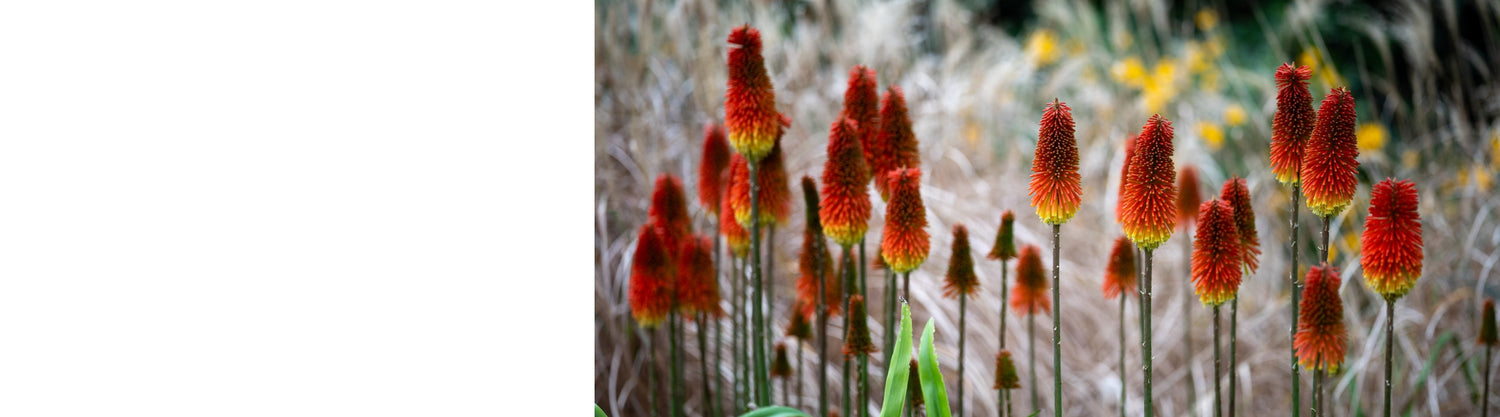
column 1150, row 197
column 1292, row 124
column 1329, row 165
column 1124, row 174
column 960, row 278
column 1321, row 337
column 1237, row 194
column 1217, row 255
column 845, row 208
column 669, row 210
column 734, row 234
column 713, row 168
column 1392, row 241
column 775, row 199
column 807, row 279
column 904, row 244
column 896, row 145
column 862, row 105
column 1005, row 238
column 1119, row 276
column 650, row 278
column 1487, row 335
column 1055, row 187
column 800, row 326
column 1030, row 294
column 857, row 340
column 1005, row 371
column 1189, row 197
column 749, row 103
column 697, row 286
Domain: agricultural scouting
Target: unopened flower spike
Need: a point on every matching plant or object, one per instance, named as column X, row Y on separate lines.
column 1119, row 276
column 1237, row 194
column 1150, row 196
column 896, row 145
column 1216, row 254
column 857, row 341
column 1292, row 124
column 1005, row 238
column 904, row 242
column 1005, row 371
column 669, row 210
column 862, row 105
column 749, row 103
column 1321, row 338
column 713, row 169
column 845, row 207
column 1391, row 254
column 697, row 283
column 1030, row 295
column 1055, row 187
column 781, row 367
column 650, row 278
column 813, row 262
column 1487, row 335
column 800, row 326
column 1328, row 167
column 1189, row 197
column 960, row 278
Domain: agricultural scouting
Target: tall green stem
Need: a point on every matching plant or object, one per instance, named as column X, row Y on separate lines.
column 770, row 281
column 1218, row 399
column 718, row 337
column 1317, row 407
column 1036, row 400
column 741, row 343
column 1187, row 320
column 1146, row 329
column 963, row 304
column 1296, row 301
column 1004, row 395
column 1390, row 336
column 1234, row 314
column 890, row 314
column 1056, row 320
column 849, row 278
column 674, row 332
column 1484, row 401
column 1122, row 355
column 719, row 409
column 864, row 376
column 800, row 377
column 822, row 312
column 708, row 393
column 757, row 318
column 1323, row 249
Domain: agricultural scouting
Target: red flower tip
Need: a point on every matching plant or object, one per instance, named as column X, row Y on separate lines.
column 1005, row 239
column 1005, row 371
column 800, row 326
column 845, row 209
column 814, row 262
column 857, row 341
column 1124, row 174
column 1055, row 187
column 1189, row 197
column 669, row 210
column 895, row 146
column 1487, row 324
column 1321, row 337
column 1329, row 165
column 1237, row 194
column 735, row 235
column 904, row 242
column 749, row 103
column 781, row 367
column 1030, row 295
column 697, row 285
column 960, row 278
column 714, row 167
column 1150, row 197
column 1119, row 276
column 650, row 277
column 1292, row 123
column 1216, row 254
column 862, row 105
column 1392, row 240
column 775, row 193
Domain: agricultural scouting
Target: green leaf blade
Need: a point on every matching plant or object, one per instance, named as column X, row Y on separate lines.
column 933, row 390
column 898, row 375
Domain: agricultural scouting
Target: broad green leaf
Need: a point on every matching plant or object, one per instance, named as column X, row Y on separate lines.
column 933, row 391
column 776, row 411
column 598, row 412
column 896, row 377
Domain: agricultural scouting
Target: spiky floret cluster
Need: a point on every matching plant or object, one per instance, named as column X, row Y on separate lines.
column 1329, row 164
column 857, row 341
column 845, row 209
column 781, row 367
column 813, row 262
column 697, row 286
column 1321, row 337
column 1487, row 334
column 650, row 277
column 669, row 210
column 960, row 278
column 1119, row 276
column 1237, row 194
column 1150, row 197
column 1030, row 295
column 1055, row 187
column 904, row 242
column 800, row 326
column 1292, row 123
column 1005, row 238
column 749, row 103
column 1217, row 255
column 896, row 145
column 1189, row 197
column 1392, row 241
column 735, row 235
column 774, row 192
column 862, row 105
column 1124, row 175
column 713, row 168
column 1005, row 371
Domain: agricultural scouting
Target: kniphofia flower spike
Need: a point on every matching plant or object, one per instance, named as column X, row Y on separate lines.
column 845, row 207
column 1119, row 276
column 1329, row 165
column 896, row 145
column 650, row 278
column 1055, row 187
column 713, row 169
column 1150, row 197
column 960, row 278
column 1005, row 238
column 1217, row 255
column 1391, row 254
column 1030, row 295
column 749, row 103
column 1321, row 337
column 1237, row 194
column 904, row 242
column 1292, row 124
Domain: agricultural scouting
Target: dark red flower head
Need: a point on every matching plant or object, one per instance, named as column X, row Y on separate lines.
column 800, row 326
column 814, row 262
column 1487, row 324
column 1119, row 276
column 1005, row 239
column 735, row 235
column 781, row 367
column 650, row 278
column 1005, row 371
column 749, row 103
column 857, row 341
column 904, row 242
column 1216, row 254
column 896, row 145
column 1189, row 197
column 1237, row 194
column 845, row 209
column 960, row 278
column 775, row 194
column 1055, row 187
column 1030, row 296
column 1124, row 174
column 1150, row 197
column 697, row 284
column 1329, row 164
column 862, row 105
column 1292, row 124
column 714, row 168
column 669, row 210
column 1321, row 337
column 1392, row 241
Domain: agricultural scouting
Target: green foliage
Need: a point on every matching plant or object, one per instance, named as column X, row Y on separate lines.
column 933, row 391
column 896, row 377
column 776, row 411
column 598, row 412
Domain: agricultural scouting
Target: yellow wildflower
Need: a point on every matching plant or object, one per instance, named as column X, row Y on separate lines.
column 1371, row 136
column 1129, row 72
column 1212, row 134
column 1234, row 115
column 1197, row 59
column 1206, row 19
column 1041, row 46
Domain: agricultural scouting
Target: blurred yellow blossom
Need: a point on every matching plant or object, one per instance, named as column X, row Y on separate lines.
column 1197, row 58
column 1129, row 72
column 1371, row 136
column 1041, row 46
column 1206, row 19
column 1161, row 86
column 1075, row 47
column 1410, row 158
column 1313, row 59
column 1212, row 134
column 1234, row 115
column 1209, row 81
column 1214, row 46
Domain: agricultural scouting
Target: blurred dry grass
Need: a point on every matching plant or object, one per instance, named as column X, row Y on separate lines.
column 975, row 94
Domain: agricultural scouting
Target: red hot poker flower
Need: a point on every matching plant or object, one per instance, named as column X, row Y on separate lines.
column 775, row 194
column 862, row 105
column 1216, row 254
column 1189, row 197
column 1005, row 371
column 697, row 285
column 1030, row 295
column 1487, row 335
column 1321, row 337
column 1292, row 123
column 650, row 278
column 669, row 210
column 904, row 243
column 857, row 341
column 800, row 326
column 845, row 208
column 714, row 168
column 1238, row 196
column 1055, row 187
column 896, row 145
column 1150, row 197
column 749, row 103
column 781, row 367
column 735, row 235
column 1124, row 174
column 1005, row 239
column 1392, row 240
column 1328, row 167
column 1119, row 276
column 960, row 278
column 815, row 261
